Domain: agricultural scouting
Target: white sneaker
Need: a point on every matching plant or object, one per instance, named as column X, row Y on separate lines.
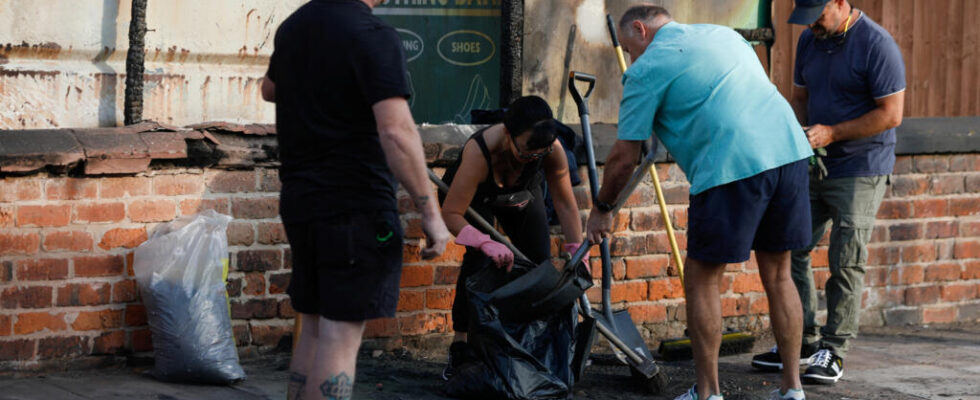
column 792, row 394
column 692, row 394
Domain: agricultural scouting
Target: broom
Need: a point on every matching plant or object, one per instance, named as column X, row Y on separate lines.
column 732, row 342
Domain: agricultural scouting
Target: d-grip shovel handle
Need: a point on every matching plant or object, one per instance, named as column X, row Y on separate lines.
column 581, row 101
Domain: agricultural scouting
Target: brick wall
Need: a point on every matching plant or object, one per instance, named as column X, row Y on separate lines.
column 66, row 254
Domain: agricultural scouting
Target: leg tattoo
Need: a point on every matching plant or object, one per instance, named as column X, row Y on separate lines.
column 339, row 387
column 297, row 382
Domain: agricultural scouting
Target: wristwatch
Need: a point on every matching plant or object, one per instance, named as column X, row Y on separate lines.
column 603, row 206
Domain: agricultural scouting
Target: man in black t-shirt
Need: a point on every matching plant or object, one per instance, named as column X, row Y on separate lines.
column 345, row 133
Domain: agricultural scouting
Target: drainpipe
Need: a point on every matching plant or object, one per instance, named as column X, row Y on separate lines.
column 512, row 43
column 133, row 105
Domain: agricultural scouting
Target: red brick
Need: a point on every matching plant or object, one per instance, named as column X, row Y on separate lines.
column 669, row 288
column 759, row 305
column 439, row 299
column 130, row 257
column 84, row 294
column 413, row 228
column 259, row 260
column 957, row 293
column 234, row 287
column 966, row 248
column 269, row 180
column 971, row 270
column 123, row 237
column 125, row 291
column 895, row 209
column 947, row 184
column 278, row 283
column 647, row 313
column 193, row 206
column 964, row 163
column 906, row 275
column 62, row 347
column 646, row 267
column 969, row 228
column 17, row 350
column 255, row 308
column 939, row 315
column 7, row 215
column 916, row 296
column 107, row 265
column 417, row 275
column 152, row 210
column 624, row 246
column 255, row 208
column 71, row 189
column 820, row 277
column 645, row 220
column 382, row 327
column 903, row 165
column 943, row 272
column 19, row 189
column 39, row 321
column 99, row 212
column 453, row 254
column 232, row 181
column 629, row 292
column 747, row 283
column 5, row 325
column 175, row 185
column 410, row 252
column 269, row 335
column 964, row 206
column 941, row 229
column 271, row 233
column 884, row 255
column 286, row 309
column 6, row 271
column 44, row 215
column 112, row 188
column 731, row 307
column 240, row 234
column 875, row 276
column 19, row 243
column 98, row 320
column 135, row 315
column 905, row 231
column 929, row 208
column 972, row 183
column 643, row 196
column 930, row 163
column 110, row 343
column 420, row 323
column 411, row 300
column 819, row 257
column 446, row 275
column 922, row 252
column 878, row 234
column 904, row 186
column 254, row 284
column 141, row 340
column 68, row 241
column 26, row 297
column 42, row 269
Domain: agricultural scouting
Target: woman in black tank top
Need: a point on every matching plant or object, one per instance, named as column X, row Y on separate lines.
column 499, row 174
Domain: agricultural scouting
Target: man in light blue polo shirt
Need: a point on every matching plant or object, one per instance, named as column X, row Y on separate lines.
column 702, row 89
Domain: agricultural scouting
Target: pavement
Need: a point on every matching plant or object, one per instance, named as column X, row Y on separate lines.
column 895, row 363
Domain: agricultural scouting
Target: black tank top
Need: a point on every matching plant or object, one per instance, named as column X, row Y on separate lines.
column 488, row 190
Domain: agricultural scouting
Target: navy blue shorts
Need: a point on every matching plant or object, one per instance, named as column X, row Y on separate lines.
column 348, row 267
column 769, row 211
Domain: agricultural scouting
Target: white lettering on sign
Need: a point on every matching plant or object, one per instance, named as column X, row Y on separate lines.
column 466, row 47
column 412, row 43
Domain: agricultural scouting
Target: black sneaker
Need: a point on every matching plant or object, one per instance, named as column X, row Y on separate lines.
column 825, row 367
column 770, row 361
column 458, row 355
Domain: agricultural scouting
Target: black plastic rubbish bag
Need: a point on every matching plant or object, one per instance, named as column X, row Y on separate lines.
column 515, row 358
column 181, row 271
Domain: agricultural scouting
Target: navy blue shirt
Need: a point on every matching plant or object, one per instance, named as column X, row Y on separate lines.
column 333, row 61
column 843, row 80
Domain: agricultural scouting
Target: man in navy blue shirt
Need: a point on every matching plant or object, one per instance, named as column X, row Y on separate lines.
column 849, row 92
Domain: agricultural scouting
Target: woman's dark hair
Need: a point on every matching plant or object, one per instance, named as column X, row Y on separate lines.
column 531, row 113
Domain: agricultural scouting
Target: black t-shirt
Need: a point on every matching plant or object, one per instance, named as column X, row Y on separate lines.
column 333, row 60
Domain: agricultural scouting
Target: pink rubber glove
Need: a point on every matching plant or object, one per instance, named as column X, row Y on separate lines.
column 571, row 248
column 500, row 254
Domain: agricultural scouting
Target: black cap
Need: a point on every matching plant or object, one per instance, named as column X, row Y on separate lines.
column 807, row 12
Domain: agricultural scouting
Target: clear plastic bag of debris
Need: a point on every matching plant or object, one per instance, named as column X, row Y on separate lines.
column 181, row 272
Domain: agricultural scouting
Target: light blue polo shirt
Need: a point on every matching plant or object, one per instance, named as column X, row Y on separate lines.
column 702, row 89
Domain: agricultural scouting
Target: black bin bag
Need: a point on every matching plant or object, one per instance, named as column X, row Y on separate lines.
column 517, row 355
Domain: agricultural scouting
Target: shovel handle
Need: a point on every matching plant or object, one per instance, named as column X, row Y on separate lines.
column 615, row 40
column 581, row 101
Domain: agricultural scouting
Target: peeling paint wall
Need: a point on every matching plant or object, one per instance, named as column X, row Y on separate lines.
column 62, row 64
column 563, row 35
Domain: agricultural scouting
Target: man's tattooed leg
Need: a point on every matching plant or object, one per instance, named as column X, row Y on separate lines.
column 339, row 387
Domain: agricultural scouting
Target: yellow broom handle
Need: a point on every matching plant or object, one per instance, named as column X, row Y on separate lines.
column 670, row 228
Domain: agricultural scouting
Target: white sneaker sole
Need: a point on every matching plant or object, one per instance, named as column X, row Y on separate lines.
column 816, row 378
column 765, row 365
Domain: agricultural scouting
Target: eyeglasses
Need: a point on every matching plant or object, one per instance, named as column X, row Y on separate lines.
column 532, row 156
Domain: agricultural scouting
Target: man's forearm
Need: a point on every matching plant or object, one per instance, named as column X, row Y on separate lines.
column 619, row 168
column 870, row 124
column 406, row 159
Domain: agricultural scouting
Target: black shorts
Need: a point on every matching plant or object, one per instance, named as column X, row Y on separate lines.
column 769, row 211
column 348, row 267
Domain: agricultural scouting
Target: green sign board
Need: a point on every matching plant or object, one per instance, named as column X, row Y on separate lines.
column 453, row 53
